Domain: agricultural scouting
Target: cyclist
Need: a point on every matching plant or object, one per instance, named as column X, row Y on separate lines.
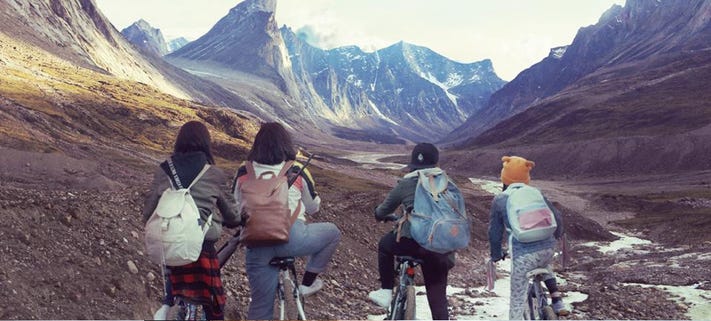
column 198, row 281
column 435, row 266
column 271, row 150
column 525, row 256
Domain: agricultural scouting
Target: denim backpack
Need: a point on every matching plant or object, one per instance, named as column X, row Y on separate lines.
column 438, row 221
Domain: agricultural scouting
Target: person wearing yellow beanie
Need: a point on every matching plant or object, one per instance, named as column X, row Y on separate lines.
column 525, row 256
column 516, row 170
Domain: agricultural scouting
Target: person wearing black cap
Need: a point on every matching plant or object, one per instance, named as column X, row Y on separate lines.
column 436, row 266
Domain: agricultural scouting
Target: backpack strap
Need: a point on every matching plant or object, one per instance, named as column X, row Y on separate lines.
column 287, row 166
column 250, row 170
column 175, row 180
column 295, row 214
column 400, row 222
column 430, row 179
column 252, row 174
column 202, row 172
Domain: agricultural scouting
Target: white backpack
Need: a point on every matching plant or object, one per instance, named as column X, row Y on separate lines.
column 175, row 232
column 529, row 216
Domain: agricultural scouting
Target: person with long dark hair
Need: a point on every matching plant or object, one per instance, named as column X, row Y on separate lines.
column 199, row 281
column 273, row 152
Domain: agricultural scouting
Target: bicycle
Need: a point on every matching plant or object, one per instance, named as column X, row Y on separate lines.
column 184, row 308
column 403, row 303
column 287, row 278
column 537, row 307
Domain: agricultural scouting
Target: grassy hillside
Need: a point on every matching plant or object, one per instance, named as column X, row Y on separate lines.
column 52, row 105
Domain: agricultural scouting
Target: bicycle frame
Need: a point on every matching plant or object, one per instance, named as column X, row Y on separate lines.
column 287, row 276
column 403, row 303
column 536, row 298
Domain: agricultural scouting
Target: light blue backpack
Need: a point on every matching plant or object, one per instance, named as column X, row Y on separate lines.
column 529, row 216
column 438, row 221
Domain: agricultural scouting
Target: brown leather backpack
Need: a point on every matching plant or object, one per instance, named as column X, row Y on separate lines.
column 265, row 199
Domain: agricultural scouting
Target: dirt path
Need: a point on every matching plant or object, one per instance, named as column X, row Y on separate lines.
column 630, row 277
column 72, row 245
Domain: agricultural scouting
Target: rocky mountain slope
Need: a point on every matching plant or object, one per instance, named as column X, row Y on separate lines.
column 622, row 38
column 78, row 146
column 142, row 35
column 644, row 110
column 401, row 92
column 406, row 88
column 245, row 40
column 77, row 31
column 177, row 43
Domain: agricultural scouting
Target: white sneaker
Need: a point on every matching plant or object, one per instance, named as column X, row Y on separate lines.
column 309, row 290
column 381, row 297
column 162, row 313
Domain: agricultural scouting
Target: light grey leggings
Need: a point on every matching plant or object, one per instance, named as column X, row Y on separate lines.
column 519, row 283
column 317, row 240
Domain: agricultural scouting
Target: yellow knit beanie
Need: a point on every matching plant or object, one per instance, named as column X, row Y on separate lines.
column 516, row 170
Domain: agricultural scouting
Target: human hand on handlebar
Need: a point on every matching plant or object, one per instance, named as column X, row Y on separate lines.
column 391, row 218
column 503, row 257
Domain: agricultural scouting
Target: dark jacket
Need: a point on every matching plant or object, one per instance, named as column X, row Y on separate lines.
column 402, row 194
column 209, row 193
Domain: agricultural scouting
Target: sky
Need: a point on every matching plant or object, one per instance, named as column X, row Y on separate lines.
column 514, row 34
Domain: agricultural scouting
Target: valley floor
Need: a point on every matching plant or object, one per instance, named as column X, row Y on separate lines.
column 72, row 244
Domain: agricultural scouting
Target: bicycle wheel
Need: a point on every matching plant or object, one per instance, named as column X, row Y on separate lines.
column 532, row 311
column 184, row 310
column 294, row 301
column 410, row 303
column 549, row 314
column 397, row 306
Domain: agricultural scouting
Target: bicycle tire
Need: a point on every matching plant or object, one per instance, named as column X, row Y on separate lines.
column 410, row 303
column 292, row 310
column 184, row 310
column 532, row 311
column 396, row 311
column 549, row 314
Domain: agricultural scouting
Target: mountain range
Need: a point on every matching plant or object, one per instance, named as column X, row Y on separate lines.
column 624, row 87
column 627, row 96
column 403, row 91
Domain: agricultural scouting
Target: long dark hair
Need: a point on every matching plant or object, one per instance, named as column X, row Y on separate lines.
column 272, row 145
column 194, row 137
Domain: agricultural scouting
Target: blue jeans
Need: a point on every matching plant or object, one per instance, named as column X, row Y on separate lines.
column 317, row 240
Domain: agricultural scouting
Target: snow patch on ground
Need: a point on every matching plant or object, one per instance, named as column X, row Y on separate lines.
column 624, row 242
column 370, row 160
column 489, row 305
column 487, row 185
column 698, row 301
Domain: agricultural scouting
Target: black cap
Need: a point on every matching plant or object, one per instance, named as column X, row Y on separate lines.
column 424, row 155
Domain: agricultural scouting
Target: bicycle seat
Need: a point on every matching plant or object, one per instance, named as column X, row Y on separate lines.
column 412, row 260
column 282, row 262
column 536, row 272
